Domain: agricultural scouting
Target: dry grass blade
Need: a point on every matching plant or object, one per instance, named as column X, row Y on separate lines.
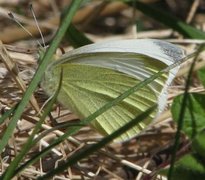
column 133, row 159
column 13, row 69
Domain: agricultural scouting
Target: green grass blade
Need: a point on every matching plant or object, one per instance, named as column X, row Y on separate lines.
column 76, row 38
column 182, row 113
column 169, row 20
column 39, row 73
column 10, row 171
column 90, row 149
column 86, row 121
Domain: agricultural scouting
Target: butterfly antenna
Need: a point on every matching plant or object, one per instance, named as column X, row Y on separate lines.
column 19, row 23
column 37, row 24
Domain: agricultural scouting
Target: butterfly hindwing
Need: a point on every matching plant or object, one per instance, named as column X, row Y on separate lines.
column 95, row 75
column 86, row 88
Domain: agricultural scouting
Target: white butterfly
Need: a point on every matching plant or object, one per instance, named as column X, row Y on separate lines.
column 95, row 74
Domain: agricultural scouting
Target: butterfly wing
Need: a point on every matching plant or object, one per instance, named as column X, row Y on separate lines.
column 93, row 78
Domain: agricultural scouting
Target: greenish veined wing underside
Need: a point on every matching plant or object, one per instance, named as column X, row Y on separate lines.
column 86, row 88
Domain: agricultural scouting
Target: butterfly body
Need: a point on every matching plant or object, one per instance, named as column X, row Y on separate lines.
column 96, row 74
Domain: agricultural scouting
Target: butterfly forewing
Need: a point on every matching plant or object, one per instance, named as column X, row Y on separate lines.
column 95, row 77
column 86, row 88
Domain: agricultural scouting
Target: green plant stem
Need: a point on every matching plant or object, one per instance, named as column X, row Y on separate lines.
column 93, row 116
column 168, row 20
column 40, row 71
column 10, row 171
column 182, row 113
column 86, row 151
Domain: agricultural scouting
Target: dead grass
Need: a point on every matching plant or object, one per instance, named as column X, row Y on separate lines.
column 116, row 161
